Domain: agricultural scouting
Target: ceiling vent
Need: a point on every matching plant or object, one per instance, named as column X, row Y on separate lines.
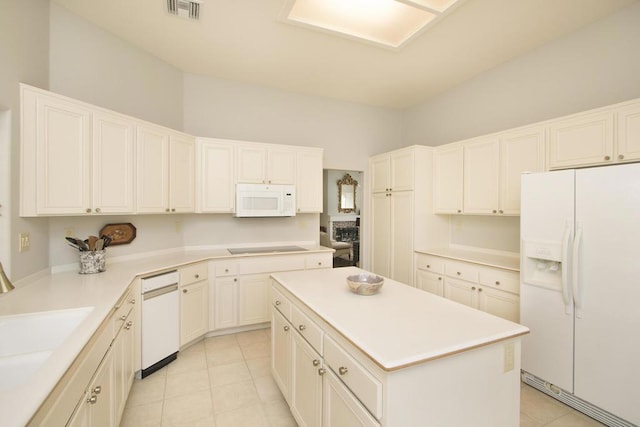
column 184, row 8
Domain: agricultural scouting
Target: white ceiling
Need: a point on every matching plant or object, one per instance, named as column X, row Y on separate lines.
column 246, row 41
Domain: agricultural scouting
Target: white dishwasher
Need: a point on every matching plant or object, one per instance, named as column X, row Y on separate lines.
column 160, row 333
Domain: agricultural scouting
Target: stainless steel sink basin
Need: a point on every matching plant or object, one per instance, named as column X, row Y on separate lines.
column 27, row 341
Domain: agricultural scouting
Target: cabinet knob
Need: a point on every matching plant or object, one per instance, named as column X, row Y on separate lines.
column 342, row 370
column 184, row 291
column 98, row 210
column 495, row 211
column 133, row 301
column 428, row 266
column 620, row 156
column 607, row 157
column 235, row 279
column 129, row 325
column 479, row 289
column 316, row 362
column 302, row 327
column 458, row 273
column 197, row 276
column 97, row 389
column 286, row 328
column 321, row 371
column 278, row 302
column 473, row 288
column 173, row 209
column 500, row 211
column 319, row 263
column 439, row 278
column 459, row 210
column 226, row 270
column 123, row 317
column 166, row 210
column 88, row 210
column 497, row 283
column 93, row 399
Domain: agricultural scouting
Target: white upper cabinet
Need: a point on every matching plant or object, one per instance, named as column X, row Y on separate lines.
column 582, row 140
column 113, row 164
column 165, row 170
column 392, row 171
column 629, row 133
column 447, row 178
column 265, row 164
column 215, row 175
column 309, row 180
column 481, row 176
column 75, row 159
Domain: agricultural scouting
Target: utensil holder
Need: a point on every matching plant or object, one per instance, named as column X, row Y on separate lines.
column 92, row 262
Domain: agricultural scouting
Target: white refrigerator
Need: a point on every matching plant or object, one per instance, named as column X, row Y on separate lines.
column 580, row 289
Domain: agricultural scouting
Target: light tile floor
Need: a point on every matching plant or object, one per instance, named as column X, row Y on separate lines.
column 226, row 382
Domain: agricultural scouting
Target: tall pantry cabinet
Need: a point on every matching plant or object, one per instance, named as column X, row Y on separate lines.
column 402, row 216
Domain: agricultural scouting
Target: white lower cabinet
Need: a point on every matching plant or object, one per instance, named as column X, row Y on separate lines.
column 321, row 382
column 194, row 302
column 493, row 290
column 253, row 299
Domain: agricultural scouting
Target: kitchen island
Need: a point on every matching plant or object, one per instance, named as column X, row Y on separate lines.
column 402, row 357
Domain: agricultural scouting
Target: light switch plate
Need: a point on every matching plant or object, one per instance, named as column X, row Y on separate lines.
column 24, row 243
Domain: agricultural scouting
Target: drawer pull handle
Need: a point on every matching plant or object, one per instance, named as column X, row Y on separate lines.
column 316, row 362
column 321, row 371
column 97, row 389
column 93, row 399
column 302, row 327
column 342, row 370
column 286, row 328
column 278, row 302
column 197, row 276
column 497, row 283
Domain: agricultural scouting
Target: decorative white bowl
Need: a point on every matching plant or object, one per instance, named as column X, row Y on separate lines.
column 365, row 284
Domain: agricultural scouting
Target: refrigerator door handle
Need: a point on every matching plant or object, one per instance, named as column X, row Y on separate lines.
column 577, row 299
column 566, row 296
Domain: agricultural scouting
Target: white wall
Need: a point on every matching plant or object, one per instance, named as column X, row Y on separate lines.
column 348, row 132
column 92, row 65
column 593, row 67
column 24, row 30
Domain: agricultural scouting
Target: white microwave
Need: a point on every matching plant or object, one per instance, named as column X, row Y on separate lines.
column 264, row 200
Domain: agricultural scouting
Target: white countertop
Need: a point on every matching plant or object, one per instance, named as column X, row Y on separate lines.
column 72, row 290
column 508, row 262
column 400, row 326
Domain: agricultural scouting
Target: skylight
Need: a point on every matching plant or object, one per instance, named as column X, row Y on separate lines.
column 390, row 23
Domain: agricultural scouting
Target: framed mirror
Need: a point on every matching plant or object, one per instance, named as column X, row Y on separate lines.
column 347, row 194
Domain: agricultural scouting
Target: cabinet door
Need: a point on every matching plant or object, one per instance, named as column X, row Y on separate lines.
column 152, row 146
column 253, row 299
column 380, row 173
column 215, row 176
column 401, row 224
column 481, row 176
column 402, row 170
column 520, row 151
column 499, row 303
column 194, row 311
column 252, row 164
column 629, row 133
column 63, row 135
column 226, row 302
column 281, row 166
column 182, row 173
column 461, row 291
column 99, row 395
column 281, row 353
column 430, row 282
column 381, row 233
column 447, row 176
column 306, row 383
column 581, row 141
column 80, row 417
column 309, row 181
column 341, row 408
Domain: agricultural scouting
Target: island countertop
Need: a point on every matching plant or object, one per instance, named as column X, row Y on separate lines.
column 400, row 326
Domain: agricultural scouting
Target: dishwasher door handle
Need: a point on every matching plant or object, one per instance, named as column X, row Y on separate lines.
column 158, row 292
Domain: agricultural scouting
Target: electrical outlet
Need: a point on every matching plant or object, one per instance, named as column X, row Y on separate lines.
column 178, row 226
column 25, row 242
column 509, row 356
column 69, row 232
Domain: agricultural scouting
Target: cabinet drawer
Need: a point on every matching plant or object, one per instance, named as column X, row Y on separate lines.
column 226, row 268
column 500, row 279
column 430, row 263
column 318, row 261
column 364, row 385
column 461, row 270
column 281, row 303
column 271, row 264
column 193, row 273
column 309, row 330
column 122, row 310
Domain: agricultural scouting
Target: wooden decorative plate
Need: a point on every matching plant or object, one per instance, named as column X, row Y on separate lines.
column 120, row 233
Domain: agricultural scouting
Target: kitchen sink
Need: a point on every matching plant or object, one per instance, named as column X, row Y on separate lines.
column 27, row 341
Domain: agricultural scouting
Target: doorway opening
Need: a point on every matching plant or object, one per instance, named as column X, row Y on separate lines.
column 340, row 217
